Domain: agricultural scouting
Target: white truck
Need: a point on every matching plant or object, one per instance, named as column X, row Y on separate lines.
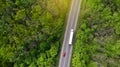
column 71, row 36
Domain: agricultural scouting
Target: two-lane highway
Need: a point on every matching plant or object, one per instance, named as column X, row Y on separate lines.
column 71, row 24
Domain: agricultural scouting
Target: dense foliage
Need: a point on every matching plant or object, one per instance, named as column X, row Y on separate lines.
column 30, row 32
column 98, row 35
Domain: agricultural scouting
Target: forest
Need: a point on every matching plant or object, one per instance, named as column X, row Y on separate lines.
column 31, row 32
column 98, row 35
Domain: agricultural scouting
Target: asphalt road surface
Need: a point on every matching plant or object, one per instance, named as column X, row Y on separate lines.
column 71, row 24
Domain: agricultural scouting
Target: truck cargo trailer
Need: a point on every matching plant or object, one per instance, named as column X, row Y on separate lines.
column 71, row 36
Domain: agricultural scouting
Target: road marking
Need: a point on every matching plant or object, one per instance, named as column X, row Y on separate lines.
column 70, row 22
column 66, row 32
column 76, row 19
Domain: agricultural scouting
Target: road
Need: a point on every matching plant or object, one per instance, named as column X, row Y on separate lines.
column 71, row 24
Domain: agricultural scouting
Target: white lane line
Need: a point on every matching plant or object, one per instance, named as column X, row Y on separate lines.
column 77, row 14
column 71, row 48
column 65, row 33
column 72, row 21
